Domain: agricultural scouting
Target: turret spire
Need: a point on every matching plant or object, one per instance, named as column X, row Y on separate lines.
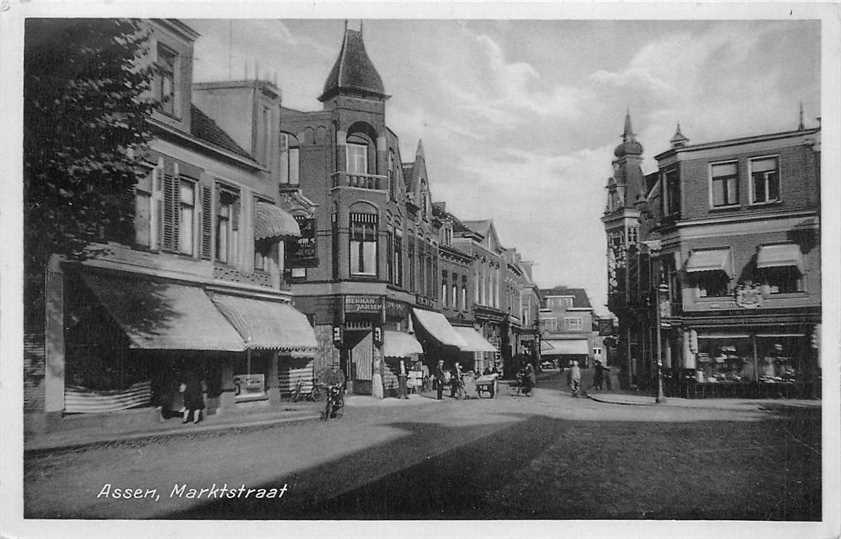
column 353, row 73
column 679, row 140
column 801, row 125
column 628, row 133
column 629, row 144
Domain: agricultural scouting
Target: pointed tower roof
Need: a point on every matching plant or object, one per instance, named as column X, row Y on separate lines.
column 679, row 140
column 353, row 71
column 629, row 145
column 419, row 150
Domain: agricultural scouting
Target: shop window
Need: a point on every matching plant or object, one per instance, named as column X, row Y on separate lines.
column 290, row 160
column 725, row 359
column 713, row 284
column 779, row 358
column 782, row 280
column 765, row 180
column 363, row 244
column 165, row 81
column 227, row 226
column 251, row 376
column 724, row 179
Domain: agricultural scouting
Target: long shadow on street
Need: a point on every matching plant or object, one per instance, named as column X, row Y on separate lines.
column 542, row 467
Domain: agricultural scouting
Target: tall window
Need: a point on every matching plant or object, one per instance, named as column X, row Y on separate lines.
column 411, row 251
column 289, row 159
column 464, row 297
column 357, row 158
column 672, row 198
column 444, row 293
column 454, row 296
column 143, row 212
column 765, row 179
column 227, row 227
column 165, row 81
column 363, row 244
column 266, row 133
column 725, row 184
column 392, row 176
column 187, row 209
column 398, row 257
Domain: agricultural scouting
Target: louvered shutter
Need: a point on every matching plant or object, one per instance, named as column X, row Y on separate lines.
column 206, row 222
column 169, row 228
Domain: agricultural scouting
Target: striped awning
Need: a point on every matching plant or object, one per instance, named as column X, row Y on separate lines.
column 163, row 316
column 474, row 342
column 267, row 325
column 780, row 256
column 437, row 326
column 710, row 260
column 399, row 344
column 271, row 222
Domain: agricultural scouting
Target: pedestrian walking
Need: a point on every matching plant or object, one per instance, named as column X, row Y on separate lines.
column 574, row 378
column 457, row 384
column 401, row 379
column 598, row 375
column 193, row 398
column 439, row 378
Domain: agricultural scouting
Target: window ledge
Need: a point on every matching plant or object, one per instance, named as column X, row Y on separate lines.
column 762, row 204
column 725, row 208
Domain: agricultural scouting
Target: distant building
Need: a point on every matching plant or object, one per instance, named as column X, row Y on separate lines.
column 566, row 325
column 730, row 231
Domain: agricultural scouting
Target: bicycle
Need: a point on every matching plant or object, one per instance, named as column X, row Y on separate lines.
column 334, row 404
column 298, row 393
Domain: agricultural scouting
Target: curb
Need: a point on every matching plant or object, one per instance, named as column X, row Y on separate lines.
column 47, row 447
column 623, row 403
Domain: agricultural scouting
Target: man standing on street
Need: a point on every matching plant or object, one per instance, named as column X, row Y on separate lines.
column 401, row 379
column 439, row 378
column 574, row 378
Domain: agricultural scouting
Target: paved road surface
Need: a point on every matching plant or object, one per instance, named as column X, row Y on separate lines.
column 548, row 456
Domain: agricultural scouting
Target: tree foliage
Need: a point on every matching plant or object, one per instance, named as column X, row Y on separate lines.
column 86, row 106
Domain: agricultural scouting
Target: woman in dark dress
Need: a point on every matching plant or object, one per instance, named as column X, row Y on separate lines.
column 193, row 399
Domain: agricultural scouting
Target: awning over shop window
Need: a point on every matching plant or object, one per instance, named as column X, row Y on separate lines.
column 473, row 340
column 267, row 325
column 570, row 347
column 437, row 326
column 780, row 256
column 710, row 260
column 545, row 346
column 399, row 344
column 271, row 222
column 163, row 316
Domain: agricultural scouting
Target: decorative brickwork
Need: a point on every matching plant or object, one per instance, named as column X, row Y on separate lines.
column 227, row 273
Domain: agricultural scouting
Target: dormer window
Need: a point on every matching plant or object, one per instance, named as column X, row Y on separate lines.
column 164, row 85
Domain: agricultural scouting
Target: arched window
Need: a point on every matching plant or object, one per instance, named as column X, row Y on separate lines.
column 361, row 149
column 290, row 159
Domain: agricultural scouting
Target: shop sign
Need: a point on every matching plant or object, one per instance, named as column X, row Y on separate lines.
column 249, row 385
column 423, row 301
column 748, row 296
column 363, row 304
column 302, row 251
column 395, row 309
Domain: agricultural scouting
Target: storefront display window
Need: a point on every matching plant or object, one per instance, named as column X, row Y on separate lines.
column 778, row 357
column 725, row 359
column 250, row 377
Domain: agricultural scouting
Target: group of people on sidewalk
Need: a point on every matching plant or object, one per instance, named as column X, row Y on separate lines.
column 462, row 383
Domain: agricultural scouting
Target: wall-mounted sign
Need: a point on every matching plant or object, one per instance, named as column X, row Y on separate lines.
column 748, row 296
column 302, row 252
column 363, row 304
column 396, row 310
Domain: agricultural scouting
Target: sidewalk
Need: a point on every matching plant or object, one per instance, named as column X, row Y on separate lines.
column 81, row 437
column 721, row 404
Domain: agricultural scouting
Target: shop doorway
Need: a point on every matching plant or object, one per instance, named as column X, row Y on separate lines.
column 359, row 361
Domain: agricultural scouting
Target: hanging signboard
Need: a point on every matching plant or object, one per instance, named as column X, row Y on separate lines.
column 249, row 385
column 302, row 252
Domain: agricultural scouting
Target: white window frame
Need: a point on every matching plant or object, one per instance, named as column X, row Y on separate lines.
column 779, row 198
column 579, row 323
column 193, row 217
column 551, row 324
column 710, row 184
column 350, row 159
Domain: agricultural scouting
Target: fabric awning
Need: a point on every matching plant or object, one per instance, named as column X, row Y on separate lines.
column 780, row 256
column 163, row 316
column 710, row 260
column 270, row 222
column 267, row 325
column 545, row 346
column 567, row 347
column 399, row 344
column 437, row 326
column 473, row 340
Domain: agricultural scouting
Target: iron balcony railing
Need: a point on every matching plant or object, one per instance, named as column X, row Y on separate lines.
column 360, row 181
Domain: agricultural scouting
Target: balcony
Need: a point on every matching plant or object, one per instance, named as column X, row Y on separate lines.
column 374, row 182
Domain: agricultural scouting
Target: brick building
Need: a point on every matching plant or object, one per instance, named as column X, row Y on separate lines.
column 566, row 326
column 201, row 289
column 730, row 231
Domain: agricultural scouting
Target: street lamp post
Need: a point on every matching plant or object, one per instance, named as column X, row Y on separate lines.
column 662, row 288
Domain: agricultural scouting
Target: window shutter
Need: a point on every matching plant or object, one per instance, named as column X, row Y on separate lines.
column 206, row 222
column 169, row 230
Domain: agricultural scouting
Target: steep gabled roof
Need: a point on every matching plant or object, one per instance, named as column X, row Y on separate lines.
column 204, row 128
column 579, row 295
column 353, row 70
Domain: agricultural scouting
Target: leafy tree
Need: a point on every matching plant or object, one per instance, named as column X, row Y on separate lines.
column 85, row 125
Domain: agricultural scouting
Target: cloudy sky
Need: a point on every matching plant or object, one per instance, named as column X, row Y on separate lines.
column 519, row 118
